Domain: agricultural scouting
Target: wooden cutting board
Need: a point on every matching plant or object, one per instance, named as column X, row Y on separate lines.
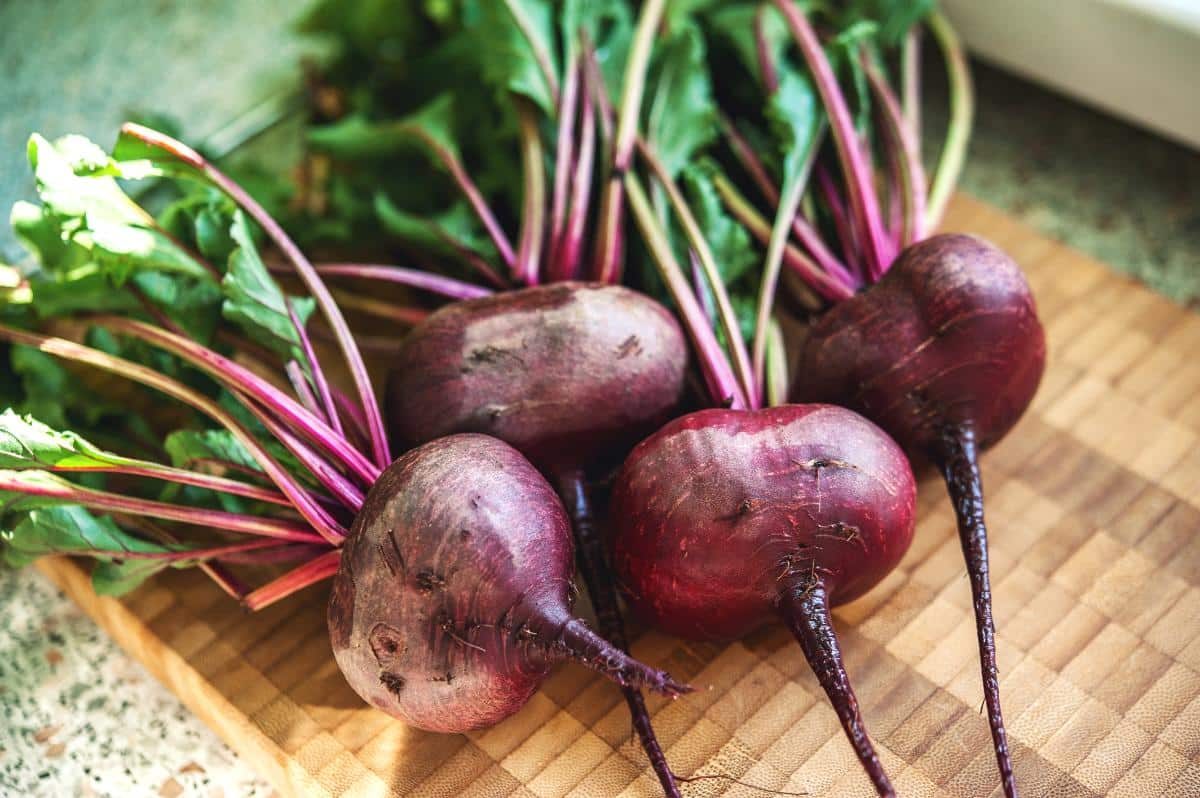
column 1094, row 511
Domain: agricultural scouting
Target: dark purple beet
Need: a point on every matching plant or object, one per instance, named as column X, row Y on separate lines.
column 567, row 372
column 570, row 374
column 945, row 353
column 452, row 600
column 724, row 520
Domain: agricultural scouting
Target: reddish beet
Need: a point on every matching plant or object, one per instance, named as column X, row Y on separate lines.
column 724, row 520
column 945, row 353
column 570, row 374
column 567, row 372
column 452, row 600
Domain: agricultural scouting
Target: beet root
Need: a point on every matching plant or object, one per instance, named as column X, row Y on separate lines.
column 571, row 374
column 945, row 353
column 724, row 520
column 567, row 372
column 452, row 600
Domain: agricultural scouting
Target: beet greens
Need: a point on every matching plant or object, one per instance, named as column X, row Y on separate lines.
column 271, row 462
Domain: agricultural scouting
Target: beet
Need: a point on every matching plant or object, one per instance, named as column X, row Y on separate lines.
column 945, row 352
column 724, row 520
column 567, row 372
column 452, row 600
column 571, row 374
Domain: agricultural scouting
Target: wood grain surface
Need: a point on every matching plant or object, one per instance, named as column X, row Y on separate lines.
column 1094, row 508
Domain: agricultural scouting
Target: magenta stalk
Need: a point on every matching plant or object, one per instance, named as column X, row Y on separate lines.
column 312, row 572
column 116, row 503
column 723, row 386
column 412, row 278
column 318, row 376
column 863, row 203
column 609, row 243
column 311, row 280
column 567, row 257
column 533, row 215
column 563, row 160
column 305, row 504
column 233, row 375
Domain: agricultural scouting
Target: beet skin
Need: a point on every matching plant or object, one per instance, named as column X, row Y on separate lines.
column 949, row 337
column 727, row 519
column 452, row 600
column 945, row 353
column 567, row 372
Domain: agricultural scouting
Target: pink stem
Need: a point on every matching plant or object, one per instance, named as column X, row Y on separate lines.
column 750, row 161
column 910, row 69
column 699, row 286
column 343, row 489
column 288, row 553
column 316, row 287
column 413, row 278
column 805, row 233
column 904, row 152
column 310, row 573
column 841, row 220
column 352, row 413
column 563, row 159
column 533, row 214
column 78, row 353
column 218, row 573
column 233, row 375
column 723, row 385
column 581, row 191
column 318, row 376
column 300, row 386
column 610, row 252
column 473, row 195
column 766, row 66
column 197, row 516
column 183, row 477
column 863, row 202
column 181, row 556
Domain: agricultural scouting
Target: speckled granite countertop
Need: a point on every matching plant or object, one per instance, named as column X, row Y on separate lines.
column 77, row 715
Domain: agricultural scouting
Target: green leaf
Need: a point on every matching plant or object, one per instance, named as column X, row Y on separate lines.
column 506, row 57
column 736, row 22
column 254, row 300
column 730, row 242
column 75, row 179
column 429, row 233
column 794, row 117
column 681, row 117
column 357, row 137
column 27, row 443
column 892, row 19
column 186, row 446
column 193, row 305
column 72, row 529
column 118, row 577
column 125, row 248
column 41, row 232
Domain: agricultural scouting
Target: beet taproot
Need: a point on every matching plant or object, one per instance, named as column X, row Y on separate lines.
column 725, row 520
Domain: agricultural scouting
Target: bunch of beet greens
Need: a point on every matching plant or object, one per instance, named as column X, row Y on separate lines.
column 452, row 564
column 511, row 149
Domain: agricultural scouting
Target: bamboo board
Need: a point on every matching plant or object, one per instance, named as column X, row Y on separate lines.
column 1094, row 507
